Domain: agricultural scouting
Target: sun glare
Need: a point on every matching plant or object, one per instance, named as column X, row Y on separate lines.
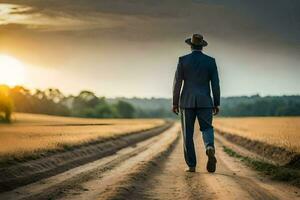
column 12, row 71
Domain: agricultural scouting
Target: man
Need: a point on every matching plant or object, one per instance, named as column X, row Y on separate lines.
column 198, row 74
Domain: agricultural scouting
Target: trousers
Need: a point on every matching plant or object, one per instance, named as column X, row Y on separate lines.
column 188, row 118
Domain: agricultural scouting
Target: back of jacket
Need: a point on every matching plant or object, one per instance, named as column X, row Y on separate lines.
column 198, row 74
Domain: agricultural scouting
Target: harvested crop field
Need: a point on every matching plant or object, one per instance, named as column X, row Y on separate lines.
column 31, row 132
column 277, row 131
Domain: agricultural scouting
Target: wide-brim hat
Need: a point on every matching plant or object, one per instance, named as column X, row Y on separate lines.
column 196, row 40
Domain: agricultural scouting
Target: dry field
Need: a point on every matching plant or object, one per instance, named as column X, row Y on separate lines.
column 31, row 132
column 279, row 131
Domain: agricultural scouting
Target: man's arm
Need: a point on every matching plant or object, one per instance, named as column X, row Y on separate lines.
column 215, row 85
column 177, row 87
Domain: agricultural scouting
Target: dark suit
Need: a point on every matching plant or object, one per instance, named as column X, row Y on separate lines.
column 198, row 74
column 197, row 71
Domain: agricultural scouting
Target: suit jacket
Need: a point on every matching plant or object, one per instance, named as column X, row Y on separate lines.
column 198, row 74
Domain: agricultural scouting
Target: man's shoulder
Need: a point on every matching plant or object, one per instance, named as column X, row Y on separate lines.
column 185, row 56
column 208, row 57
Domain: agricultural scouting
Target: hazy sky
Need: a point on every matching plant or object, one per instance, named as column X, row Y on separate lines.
column 131, row 47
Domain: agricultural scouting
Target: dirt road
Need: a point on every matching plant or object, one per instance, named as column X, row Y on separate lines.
column 232, row 180
column 154, row 169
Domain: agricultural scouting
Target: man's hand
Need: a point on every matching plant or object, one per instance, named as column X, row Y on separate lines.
column 175, row 110
column 216, row 110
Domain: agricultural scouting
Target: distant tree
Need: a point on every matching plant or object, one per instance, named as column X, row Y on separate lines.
column 86, row 99
column 54, row 95
column 22, row 99
column 6, row 104
column 125, row 110
column 105, row 110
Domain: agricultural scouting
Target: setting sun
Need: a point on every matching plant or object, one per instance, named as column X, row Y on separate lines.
column 12, row 71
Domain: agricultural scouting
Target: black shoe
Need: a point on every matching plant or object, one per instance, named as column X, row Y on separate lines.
column 190, row 169
column 211, row 162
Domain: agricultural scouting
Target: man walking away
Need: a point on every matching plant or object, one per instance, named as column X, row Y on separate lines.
column 198, row 74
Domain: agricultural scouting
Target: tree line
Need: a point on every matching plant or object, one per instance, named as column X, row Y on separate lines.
column 86, row 104
column 53, row 102
column 260, row 106
column 239, row 106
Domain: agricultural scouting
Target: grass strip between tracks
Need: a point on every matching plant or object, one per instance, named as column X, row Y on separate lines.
column 275, row 172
